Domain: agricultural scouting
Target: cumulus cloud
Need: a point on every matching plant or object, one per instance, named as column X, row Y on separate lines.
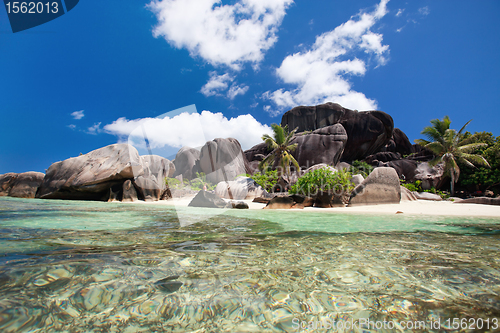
column 321, row 73
column 223, row 85
column 424, row 11
column 78, row 115
column 190, row 129
column 220, row 34
column 95, row 129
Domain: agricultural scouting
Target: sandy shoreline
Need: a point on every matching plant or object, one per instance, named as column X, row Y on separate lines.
column 419, row 207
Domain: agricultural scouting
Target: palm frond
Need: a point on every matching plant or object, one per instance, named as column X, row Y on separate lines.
column 471, row 147
column 475, row 159
column 436, row 147
column 463, row 127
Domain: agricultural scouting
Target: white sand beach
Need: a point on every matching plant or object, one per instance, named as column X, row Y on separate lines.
column 419, row 207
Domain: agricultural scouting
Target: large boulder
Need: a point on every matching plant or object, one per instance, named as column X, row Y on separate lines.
column 367, row 132
column 481, row 201
column 399, row 143
column 407, row 195
column 280, row 203
column 427, row 196
column 324, row 145
column 242, row 188
column 20, row 185
column 310, row 118
column 380, row 187
column 406, row 169
column 222, row 160
column 430, row 176
column 186, row 163
column 208, row 200
column 100, row 175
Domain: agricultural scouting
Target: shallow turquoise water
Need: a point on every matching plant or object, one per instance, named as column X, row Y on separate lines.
column 111, row 267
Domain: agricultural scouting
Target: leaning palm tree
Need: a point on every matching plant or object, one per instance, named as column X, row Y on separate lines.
column 281, row 149
column 449, row 146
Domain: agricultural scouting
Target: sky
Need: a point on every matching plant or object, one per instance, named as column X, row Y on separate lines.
column 181, row 72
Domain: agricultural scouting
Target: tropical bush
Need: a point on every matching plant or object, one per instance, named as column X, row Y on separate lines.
column 416, row 186
column 266, row 179
column 483, row 178
column 362, row 168
column 324, row 180
column 194, row 184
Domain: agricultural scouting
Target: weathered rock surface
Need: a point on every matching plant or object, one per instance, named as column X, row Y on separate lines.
column 327, row 200
column 239, row 205
column 481, row 201
column 427, row 196
column 20, row 185
column 222, row 160
column 380, row 187
column 208, row 200
column 310, row 118
column 399, row 143
column 102, row 172
column 319, row 166
column 406, row 169
column 280, row 203
column 357, row 179
column 242, row 188
column 129, row 192
column 324, row 145
column 186, row 163
column 367, row 132
column 407, row 195
column 430, row 176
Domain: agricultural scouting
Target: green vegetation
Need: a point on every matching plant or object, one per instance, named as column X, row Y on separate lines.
column 324, row 180
column 414, row 187
column 267, row 179
column 362, row 168
column 417, row 187
column 195, row 184
column 281, row 149
column 483, row 178
column 451, row 148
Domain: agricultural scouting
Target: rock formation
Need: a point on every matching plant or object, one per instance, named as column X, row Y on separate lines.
column 186, row 162
column 380, row 187
column 208, row 200
column 20, row 185
column 242, row 188
column 222, row 160
column 481, row 201
column 101, row 174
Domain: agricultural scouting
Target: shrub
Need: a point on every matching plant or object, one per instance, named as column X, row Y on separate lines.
column 416, row 186
column 267, row 179
column 324, row 180
column 362, row 168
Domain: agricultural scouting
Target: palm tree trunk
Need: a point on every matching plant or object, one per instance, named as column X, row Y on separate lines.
column 452, row 173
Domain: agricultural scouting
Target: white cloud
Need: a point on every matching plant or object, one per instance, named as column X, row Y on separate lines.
column 236, row 90
column 190, row 129
column 400, row 12
column 321, row 73
column 78, row 115
column 72, row 126
column 220, row 34
column 217, row 84
column 96, row 128
column 424, row 11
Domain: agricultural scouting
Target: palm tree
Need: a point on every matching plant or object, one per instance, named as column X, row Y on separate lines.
column 281, row 149
column 449, row 147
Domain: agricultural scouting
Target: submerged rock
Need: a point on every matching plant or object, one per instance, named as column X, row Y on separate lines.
column 168, row 284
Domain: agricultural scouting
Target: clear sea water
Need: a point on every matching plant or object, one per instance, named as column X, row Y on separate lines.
column 73, row 266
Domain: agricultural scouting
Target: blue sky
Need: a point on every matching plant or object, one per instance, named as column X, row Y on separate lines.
column 95, row 75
